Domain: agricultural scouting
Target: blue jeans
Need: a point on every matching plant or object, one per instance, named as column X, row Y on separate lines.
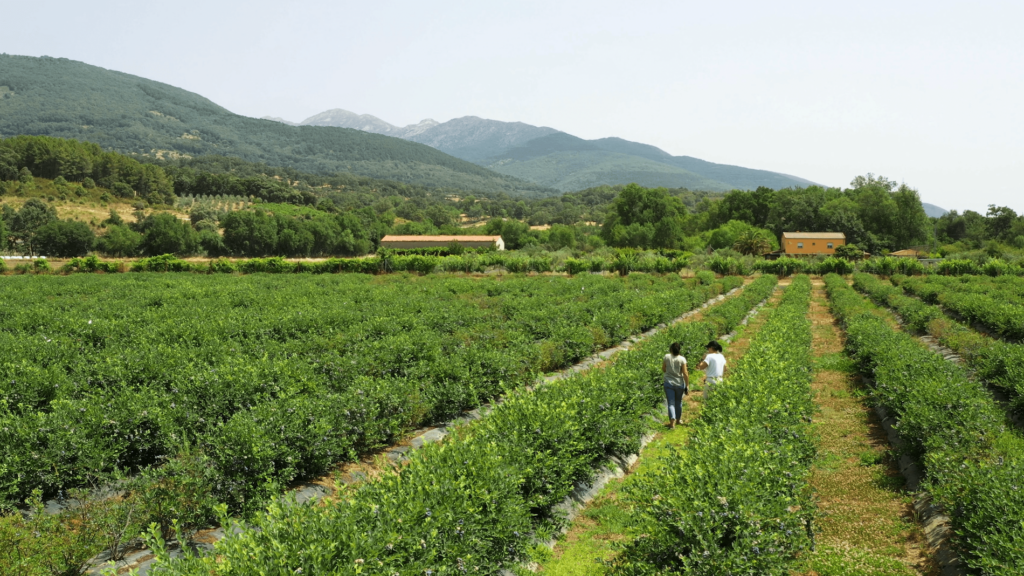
column 674, row 399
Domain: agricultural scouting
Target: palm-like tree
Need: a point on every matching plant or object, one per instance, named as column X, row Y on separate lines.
column 751, row 242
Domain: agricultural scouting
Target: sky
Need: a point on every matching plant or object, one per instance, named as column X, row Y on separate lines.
column 930, row 93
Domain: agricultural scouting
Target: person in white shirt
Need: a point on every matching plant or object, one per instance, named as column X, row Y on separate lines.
column 677, row 382
column 713, row 366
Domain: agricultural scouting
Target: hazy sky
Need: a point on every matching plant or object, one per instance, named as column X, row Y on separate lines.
column 926, row 92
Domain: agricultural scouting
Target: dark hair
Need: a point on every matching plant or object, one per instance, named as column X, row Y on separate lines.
column 714, row 345
column 674, row 348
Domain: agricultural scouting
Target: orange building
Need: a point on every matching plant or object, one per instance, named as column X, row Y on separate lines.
column 812, row 242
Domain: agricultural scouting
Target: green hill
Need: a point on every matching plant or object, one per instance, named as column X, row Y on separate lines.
column 68, row 99
column 569, row 163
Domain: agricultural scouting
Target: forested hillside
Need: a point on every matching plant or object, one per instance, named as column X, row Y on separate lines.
column 63, row 98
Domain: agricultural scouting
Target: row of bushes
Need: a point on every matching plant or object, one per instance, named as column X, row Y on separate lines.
column 735, row 499
column 624, row 263
column 995, row 361
column 231, row 365
column 990, row 267
column 785, row 266
column 477, row 502
column 999, row 308
column 974, row 465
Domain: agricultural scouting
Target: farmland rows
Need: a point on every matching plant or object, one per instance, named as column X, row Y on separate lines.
column 735, row 499
column 866, row 525
column 995, row 361
column 997, row 303
column 974, row 463
column 476, row 502
column 597, row 534
column 257, row 381
column 719, row 315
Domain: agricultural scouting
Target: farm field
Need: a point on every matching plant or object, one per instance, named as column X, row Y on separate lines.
column 995, row 303
column 281, row 375
column 992, row 359
column 208, row 395
column 972, row 455
column 475, row 501
column 226, row 389
column 862, row 526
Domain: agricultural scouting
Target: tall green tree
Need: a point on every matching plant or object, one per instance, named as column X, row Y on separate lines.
column 514, row 233
column 644, row 217
column 65, row 238
column 162, row 233
column 33, row 215
column 562, row 236
column 120, row 241
column 250, row 233
column 1000, row 221
column 911, row 224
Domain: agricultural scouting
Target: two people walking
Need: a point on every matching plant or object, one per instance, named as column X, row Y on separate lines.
column 677, row 376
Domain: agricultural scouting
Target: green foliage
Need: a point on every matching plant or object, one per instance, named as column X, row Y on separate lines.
column 995, row 303
column 77, row 161
column 472, row 502
column 975, row 466
column 725, row 504
column 957, row 267
column 727, row 265
column 743, row 238
column 42, row 544
column 874, row 212
column 163, row 233
column 277, row 378
column 849, row 252
column 783, row 266
column 64, row 239
column 835, row 265
column 514, row 233
column 119, row 241
column 751, row 242
column 24, row 224
column 643, row 217
column 889, row 265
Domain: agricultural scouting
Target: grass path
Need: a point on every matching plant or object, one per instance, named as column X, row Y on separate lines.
column 868, row 526
column 602, row 524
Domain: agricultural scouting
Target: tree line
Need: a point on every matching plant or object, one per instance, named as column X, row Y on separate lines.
column 344, row 215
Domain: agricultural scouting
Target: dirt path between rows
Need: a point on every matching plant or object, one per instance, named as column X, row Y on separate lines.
column 868, row 518
column 603, row 523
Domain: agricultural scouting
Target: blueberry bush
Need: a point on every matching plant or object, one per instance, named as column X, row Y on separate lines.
column 473, row 503
column 735, row 499
column 973, row 460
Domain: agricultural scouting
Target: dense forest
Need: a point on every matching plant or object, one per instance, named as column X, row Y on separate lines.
column 219, row 206
column 68, row 99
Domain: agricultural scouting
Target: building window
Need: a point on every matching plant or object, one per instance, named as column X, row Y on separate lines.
column 830, row 245
column 799, row 244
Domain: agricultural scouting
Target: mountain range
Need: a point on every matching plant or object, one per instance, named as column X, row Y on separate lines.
column 553, row 158
column 67, row 99
column 129, row 114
